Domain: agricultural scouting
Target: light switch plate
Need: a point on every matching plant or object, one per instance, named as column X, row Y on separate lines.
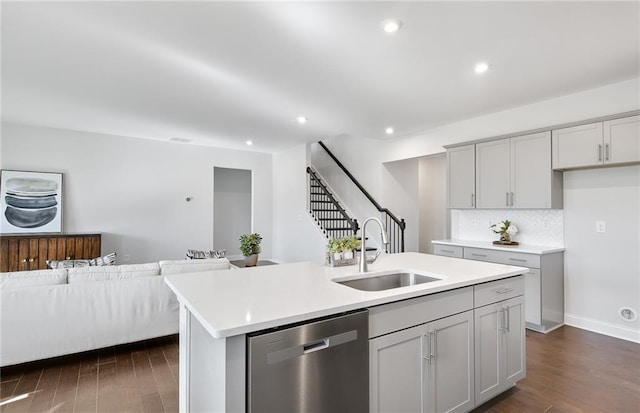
column 601, row 226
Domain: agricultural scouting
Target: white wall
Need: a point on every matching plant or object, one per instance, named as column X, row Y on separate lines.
column 365, row 158
column 400, row 188
column 231, row 209
column 133, row 190
column 602, row 270
column 433, row 213
column 296, row 238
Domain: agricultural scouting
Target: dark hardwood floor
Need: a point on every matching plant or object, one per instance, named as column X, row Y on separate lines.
column 139, row 377
column 568, row 370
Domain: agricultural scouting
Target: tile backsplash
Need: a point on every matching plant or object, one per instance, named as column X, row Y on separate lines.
column 535, row 226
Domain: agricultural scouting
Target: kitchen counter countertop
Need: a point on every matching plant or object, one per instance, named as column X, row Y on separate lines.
column 524, row 248
column 240, row 301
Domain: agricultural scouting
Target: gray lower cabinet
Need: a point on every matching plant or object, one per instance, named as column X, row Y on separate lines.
column 499, row 347
column 426, row 368
column 544, row 282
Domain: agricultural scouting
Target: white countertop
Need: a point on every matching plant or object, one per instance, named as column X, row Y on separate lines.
column 240, row 301
column 524, row 248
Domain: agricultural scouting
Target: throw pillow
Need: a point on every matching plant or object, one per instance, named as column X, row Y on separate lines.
column 109, row 259
column 201, row 255
column 67, row 264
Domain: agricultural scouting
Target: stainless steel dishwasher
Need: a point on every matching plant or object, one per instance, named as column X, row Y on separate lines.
column 321, row 366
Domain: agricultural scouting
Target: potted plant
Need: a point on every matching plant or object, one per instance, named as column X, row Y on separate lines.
column 250, row 248
column 506, row 229
column 343, row 247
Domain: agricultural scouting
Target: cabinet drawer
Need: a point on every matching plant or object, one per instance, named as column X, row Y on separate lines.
column 448, row 250
column 388, row 318
column 503, row 257
column 498, row 290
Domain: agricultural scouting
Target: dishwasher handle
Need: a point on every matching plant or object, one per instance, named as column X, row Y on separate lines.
column 315, row 346
column 311, row 347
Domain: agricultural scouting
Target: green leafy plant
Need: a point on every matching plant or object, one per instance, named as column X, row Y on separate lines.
column 343, row 244
column 250, row 244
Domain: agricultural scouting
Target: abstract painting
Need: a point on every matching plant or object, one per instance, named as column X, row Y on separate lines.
column 30, row 202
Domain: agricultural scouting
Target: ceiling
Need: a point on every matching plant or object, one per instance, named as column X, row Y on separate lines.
column 222, row 73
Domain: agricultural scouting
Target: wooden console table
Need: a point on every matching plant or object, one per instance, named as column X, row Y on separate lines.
column 24, row 252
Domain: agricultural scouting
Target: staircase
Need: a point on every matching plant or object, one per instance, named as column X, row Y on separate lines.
column 333, row 219
column 330, row 216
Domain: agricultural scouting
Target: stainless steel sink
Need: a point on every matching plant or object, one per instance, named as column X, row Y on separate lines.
column 386, row 281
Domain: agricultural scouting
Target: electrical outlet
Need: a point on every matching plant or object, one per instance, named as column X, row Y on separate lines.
column 601, row 226
column 127, row 258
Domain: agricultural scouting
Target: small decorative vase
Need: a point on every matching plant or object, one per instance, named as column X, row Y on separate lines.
column 251, row 260
column 347, row 255
column 505, row 238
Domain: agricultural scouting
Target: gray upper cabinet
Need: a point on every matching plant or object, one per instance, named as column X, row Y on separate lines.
column 516, row 173
column 622, row 140
column 461, row 177
column 611, row 142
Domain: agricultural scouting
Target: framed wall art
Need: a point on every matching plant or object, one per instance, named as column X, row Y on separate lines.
column 30, row 202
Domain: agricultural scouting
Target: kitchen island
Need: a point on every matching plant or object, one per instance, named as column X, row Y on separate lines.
column 219, row 308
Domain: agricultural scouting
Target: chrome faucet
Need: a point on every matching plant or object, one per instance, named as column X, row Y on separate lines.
column 363, row 248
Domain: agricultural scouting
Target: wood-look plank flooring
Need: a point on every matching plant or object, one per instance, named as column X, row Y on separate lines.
column 138, row 377
column 568, row 370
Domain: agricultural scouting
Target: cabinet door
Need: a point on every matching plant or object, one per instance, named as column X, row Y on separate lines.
column 4, row 255
column 450, row 375
column 577, row 146
column 622, row 140
column 531, row 171
column 397, row 371
column 461, row 177
column 513, row 345
column 492, row 174
column 533, row 293
column 488, row 336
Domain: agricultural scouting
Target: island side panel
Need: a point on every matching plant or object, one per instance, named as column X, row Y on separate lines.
column 212, row 371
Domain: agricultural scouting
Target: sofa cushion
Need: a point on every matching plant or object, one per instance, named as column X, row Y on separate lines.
column 182, row 266
column 19, row 279
column 112, row 272
column 88, row 274
column 139, row 270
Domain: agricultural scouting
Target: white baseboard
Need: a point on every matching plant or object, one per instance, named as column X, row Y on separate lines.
column 624, row 333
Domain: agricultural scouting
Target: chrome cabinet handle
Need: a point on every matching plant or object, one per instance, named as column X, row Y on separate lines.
column 449, row 251
column 507, row 199
column 426, row 355
column 511, row 198
column 24, row 260
column 600, row 152
column 432, row 344
column 479, row 255
column 31, row 259
column 473, row 200
column 517, row 259
column 508, row 317
column 606, row 152
column 504, row 291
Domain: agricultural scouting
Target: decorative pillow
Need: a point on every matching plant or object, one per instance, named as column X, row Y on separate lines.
column 200, row 255
column 109, row 259
column 68, row 264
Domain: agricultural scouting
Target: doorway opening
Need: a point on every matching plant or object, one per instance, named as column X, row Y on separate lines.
column 231, row 209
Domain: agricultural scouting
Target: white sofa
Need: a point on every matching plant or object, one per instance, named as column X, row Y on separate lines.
column 49, row 313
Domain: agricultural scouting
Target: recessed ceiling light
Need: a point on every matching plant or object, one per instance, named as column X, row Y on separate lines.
column 482, row 67
column 389, row 131
column 249, row 143
column 391, row 25
column 301, row 120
